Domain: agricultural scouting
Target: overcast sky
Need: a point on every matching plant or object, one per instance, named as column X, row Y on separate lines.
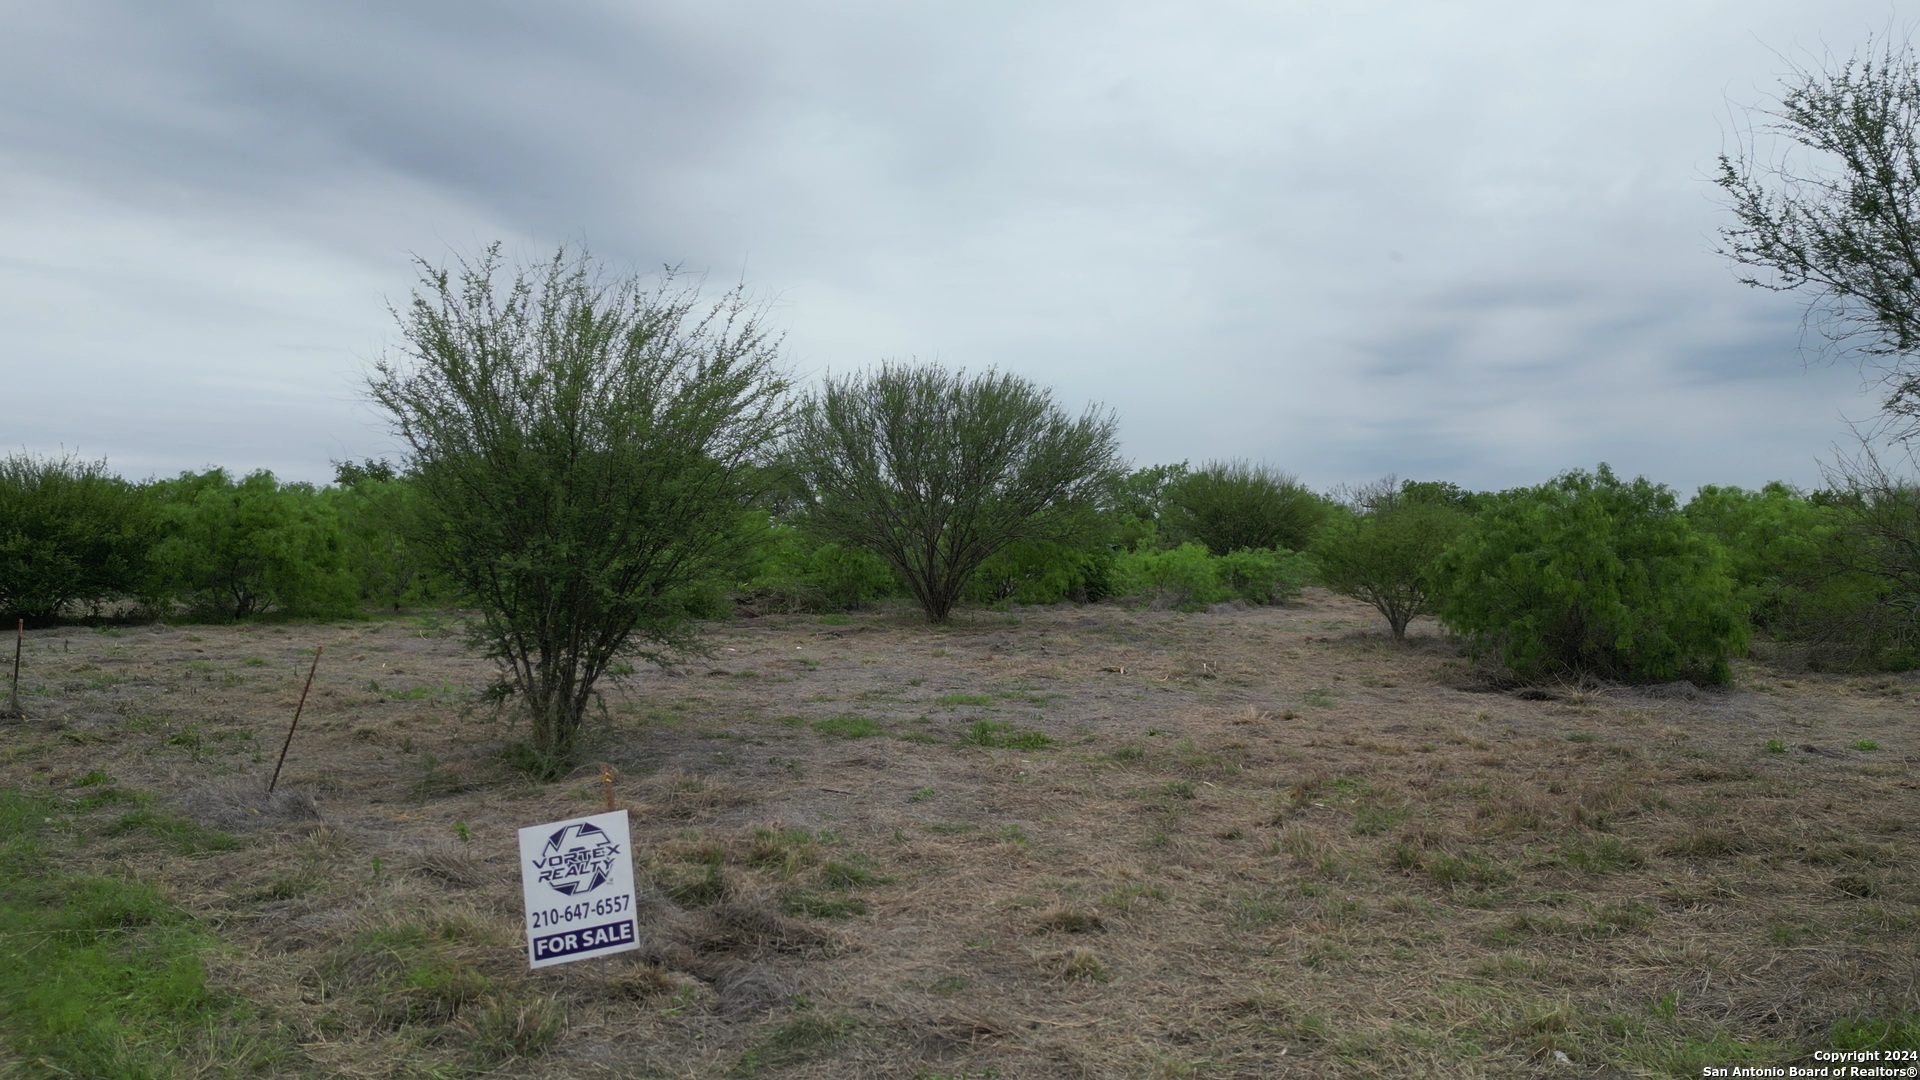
column 1468, row 241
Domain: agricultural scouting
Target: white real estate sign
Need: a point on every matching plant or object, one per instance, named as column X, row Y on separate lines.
column 578, row 880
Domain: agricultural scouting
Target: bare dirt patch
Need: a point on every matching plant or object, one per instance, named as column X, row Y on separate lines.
column 1078, row 841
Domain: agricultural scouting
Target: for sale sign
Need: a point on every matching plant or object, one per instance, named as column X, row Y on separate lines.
column 578, row 880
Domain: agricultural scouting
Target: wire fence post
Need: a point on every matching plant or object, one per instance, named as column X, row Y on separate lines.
column 271, row 784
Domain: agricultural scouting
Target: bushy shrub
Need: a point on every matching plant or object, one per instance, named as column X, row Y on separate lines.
column 1137, row 505
column 72, row 536
column 1814, row 571
column 1592, row 575
column 1262, row 576
column 1043, row 572
column 1236, row 506
column 254, row 546
column 1383, row 549
column 1181, row 577
column 936, row 471
column 1188, row 578
column 803, row 573
column 376, row 516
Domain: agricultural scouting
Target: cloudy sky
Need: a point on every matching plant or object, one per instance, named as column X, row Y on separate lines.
column 1466, row 241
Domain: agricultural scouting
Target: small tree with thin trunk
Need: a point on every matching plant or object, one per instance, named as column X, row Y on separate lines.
column 581, row 450
column 1382, row 545
column 935, row 471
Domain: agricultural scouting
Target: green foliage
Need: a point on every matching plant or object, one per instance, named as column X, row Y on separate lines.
column 377, row 515
column 1138, row 503
column 1777, row 541
column 1900, row 1031
column 1043, row 572
column 936, row 472
column 1188, row 578
column 582, row 452
column 999, row 733
column 255, row 546
column 1261, row 576
column 1383, row 551
column 1235, row 506
column 803, row 573
column 1183, row 577
column 1592, row 575
column 71, row 535
column 1827, row 572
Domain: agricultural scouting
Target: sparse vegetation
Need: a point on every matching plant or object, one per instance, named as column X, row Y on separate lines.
column 863, row 852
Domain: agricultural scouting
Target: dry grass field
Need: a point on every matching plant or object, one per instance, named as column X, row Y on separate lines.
column 1065, row 842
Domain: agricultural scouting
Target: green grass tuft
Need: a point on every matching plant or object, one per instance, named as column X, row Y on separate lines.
column 1006, row 736
column 847, row 727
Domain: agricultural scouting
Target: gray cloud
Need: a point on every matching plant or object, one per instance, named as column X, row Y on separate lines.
column 1471, row 242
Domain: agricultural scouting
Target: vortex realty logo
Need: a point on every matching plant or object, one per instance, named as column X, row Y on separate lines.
column 577, row 859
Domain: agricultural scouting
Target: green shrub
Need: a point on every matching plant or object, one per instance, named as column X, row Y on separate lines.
column 1775, row 538
column 1182, row 577
column 1385, row 553
column 235, row 549
column 938, row 471
column 71, row 535
column 1043, row 572
column 1137, row 505
column 1826, row 572
column 1188, row 578
column 1591, row 575
column 1235, row 506
column 1262, row 576
column 803, row 573
column 376, row 516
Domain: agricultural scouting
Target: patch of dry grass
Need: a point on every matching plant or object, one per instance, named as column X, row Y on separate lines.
column 1250, row 843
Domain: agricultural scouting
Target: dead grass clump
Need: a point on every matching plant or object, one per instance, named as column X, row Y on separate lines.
column 1702, row 843
column 683, row 796
column 690, row 886
column 1303, row 845
column 751, row 989
column 1695, row 892
column 647, row 981
column 1076, row 964
column 461, row 866
column 782, row 851
column 1068, row 921
column 1509, row 809
column 754, row 925
column 947, row 1033
column 242, row 803
column 1597, row 805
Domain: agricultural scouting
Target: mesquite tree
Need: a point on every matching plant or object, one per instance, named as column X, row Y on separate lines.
column 581, row 448
column 935, row 472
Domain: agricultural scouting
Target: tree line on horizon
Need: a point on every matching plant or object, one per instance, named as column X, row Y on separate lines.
column 1643, row 586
